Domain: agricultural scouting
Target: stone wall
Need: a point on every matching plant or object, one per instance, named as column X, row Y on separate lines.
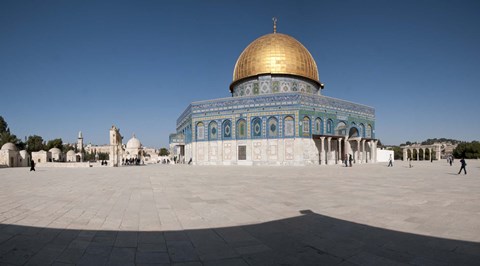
column 66, row 165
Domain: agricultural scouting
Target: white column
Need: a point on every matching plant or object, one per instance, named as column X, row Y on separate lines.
column 339, row 150
column 405, row 154
column 322, row 150
column 357, row 153
column 369, row 152
column 346, row 144
column 329, row 152
column 418, row 154
column 375, row 151
column 364, row 157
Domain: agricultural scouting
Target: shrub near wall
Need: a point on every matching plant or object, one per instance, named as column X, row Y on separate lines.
column 469, row 150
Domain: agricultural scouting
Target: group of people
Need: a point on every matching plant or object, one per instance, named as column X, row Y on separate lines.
column 348, row 160
column 131, row 161
column 450, row 159
column 463, row 164
column 165, row 161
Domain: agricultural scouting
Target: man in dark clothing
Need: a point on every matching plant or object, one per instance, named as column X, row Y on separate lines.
column 346, row 160
column 32, row 165
column 464, row 164
column 350, row 160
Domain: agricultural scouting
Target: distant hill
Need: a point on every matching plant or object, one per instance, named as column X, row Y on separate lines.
column 432, row 141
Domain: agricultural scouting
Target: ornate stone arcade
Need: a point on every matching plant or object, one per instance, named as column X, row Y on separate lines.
column 334, row 148
column 414, row 151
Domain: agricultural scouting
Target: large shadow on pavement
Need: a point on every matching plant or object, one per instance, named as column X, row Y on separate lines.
column 308, row 239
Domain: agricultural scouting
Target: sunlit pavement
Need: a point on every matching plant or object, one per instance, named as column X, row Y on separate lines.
column 219, row 215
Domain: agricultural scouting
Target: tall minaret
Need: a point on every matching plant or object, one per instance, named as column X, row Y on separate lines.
column 80, row 142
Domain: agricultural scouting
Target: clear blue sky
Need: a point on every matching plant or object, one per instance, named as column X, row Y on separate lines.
column 67, row 66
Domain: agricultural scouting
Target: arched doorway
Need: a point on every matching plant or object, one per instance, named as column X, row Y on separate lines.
column 341, row 129
column 353, row 133
column 409, row 154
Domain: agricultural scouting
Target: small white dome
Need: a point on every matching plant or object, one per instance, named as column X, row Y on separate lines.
column 71, row 152
column 134, row 143
column 55, row 150
column 9, row 146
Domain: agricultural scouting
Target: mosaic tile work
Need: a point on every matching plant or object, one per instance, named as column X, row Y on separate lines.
column 327, row 104
column 296, row 115
column 267, row 84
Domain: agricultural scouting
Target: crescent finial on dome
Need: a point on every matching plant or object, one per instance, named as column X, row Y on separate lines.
column 274, row 24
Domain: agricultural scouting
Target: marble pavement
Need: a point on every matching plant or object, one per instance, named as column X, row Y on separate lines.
column 232, row 215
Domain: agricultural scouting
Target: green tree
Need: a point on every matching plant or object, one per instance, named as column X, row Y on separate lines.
column 66, row 147
column 164, row 152
column 55, row 143
column 397, row 153
column 103, row 156
column 6, row 136
column 3, row 125
column 467, row 150
column 35, row 143
column 89, row 156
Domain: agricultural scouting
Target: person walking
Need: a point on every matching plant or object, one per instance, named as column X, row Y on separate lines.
column 350, row 160
column 32, row 165
column 390, row 161
column 346, row 160
column 409, row 162
column 464, row 164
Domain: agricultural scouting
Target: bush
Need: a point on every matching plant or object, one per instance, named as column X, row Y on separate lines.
column 467, row 150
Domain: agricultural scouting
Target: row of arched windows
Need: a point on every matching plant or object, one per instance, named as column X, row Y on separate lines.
column 257, row 129
column 272, row 127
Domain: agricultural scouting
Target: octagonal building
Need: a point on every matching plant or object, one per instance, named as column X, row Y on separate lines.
column 277, row 115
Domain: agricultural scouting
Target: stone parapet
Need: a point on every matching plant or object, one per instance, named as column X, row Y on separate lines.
column 66, row 165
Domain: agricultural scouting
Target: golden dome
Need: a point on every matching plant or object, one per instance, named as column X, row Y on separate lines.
column 275, row 53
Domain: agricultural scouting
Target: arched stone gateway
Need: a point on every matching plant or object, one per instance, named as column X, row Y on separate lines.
column 435, row 151
column 334, row 149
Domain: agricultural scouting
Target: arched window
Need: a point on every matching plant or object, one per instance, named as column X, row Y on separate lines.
column 289, row 127
column 368, row 132
column 361, row 128
column 341, row 129
column 213, row 130
column 353, row 132
column 200, row 131
column 306, row 126
column 241, row 129
column 329, row 126
column 272, row 127
column 256, row 127
column 227, row 129
column 318, row 126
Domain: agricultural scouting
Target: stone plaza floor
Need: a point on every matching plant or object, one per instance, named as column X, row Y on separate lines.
column 233, row 215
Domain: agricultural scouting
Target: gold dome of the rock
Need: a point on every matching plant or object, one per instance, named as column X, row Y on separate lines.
column 275, row 53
